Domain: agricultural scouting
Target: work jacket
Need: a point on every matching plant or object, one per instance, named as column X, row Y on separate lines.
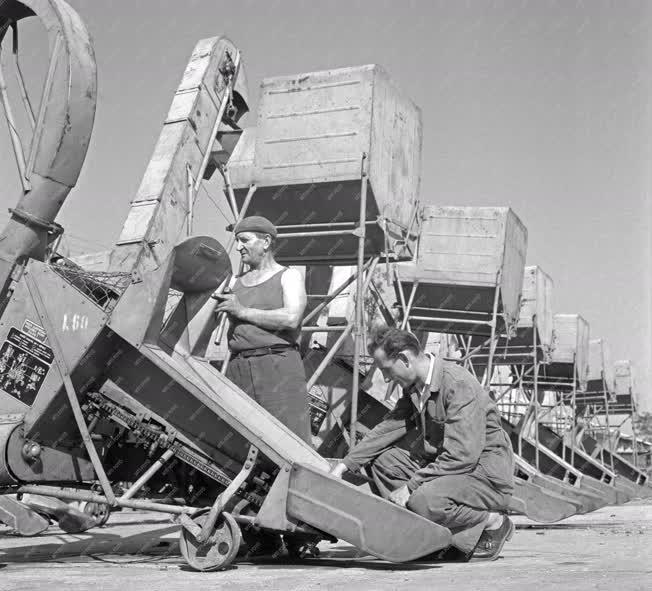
column 457, row 431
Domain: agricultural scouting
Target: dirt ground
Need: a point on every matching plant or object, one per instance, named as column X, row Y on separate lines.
column 608, row 549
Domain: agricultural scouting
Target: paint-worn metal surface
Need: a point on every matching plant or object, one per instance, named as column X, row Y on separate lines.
column 465, row 255
column 601, row 377
column 625, row 388
column 540, row 504
column 569, row 365
column 536, row 306
column 534, row 331
column 62, row 132
column 305, row 158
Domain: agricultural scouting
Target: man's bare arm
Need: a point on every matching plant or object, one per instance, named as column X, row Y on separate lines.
column 287, row 317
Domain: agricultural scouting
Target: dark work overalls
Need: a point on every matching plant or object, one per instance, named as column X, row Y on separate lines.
column 265, row 364
column 452, row 454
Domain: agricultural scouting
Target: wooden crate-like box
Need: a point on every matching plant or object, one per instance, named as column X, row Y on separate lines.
column 535, row 315
column 306, row 159
column 570, row 353
column 466, row 256
column 601, row 379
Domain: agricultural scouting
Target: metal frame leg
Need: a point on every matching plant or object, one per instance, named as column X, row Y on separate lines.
column 492, row 345
column 358, row 330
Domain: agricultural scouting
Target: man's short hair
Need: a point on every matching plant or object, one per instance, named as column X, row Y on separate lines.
column 392, row 341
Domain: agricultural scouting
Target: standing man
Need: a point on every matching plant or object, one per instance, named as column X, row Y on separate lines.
column 441, row 452
column 265, row 308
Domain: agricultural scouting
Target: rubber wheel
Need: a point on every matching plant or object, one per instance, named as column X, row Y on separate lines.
column 218, row 551
column 98, row 511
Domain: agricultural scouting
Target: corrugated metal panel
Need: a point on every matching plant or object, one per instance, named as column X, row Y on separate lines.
column 468, row 246
column 395, row 150
column 511, row 281
column 571, row 340
column 461, row 246
column 600, row 364
column 624, row 378
column 582, row 351
column 565, row 338
column 314, row 127
column 536, row 302
column 464, row 254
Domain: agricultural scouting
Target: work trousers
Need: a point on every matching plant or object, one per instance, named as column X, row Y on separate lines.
column 460, row 502
column 277, row 382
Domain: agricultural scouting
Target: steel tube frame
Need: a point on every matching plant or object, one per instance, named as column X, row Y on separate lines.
column 451, row 320
column 353, row 225
column 316, row 328
column 329, row 356
column 144, row 479
column 77, row 495
column 358, row 334
column 224, row 171
column 332, row 296
column 47, row 89
column 21, row 80
column 13, row 133
column 352, row 231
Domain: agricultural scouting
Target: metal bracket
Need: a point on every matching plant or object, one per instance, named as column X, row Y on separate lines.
column 32, row 220
column 223, row 498
column 273, row 513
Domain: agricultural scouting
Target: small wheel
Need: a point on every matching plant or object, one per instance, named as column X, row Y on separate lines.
column 98, row 511
column 218, row 551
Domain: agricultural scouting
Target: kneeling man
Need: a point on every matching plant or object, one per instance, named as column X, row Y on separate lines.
column 441, row 452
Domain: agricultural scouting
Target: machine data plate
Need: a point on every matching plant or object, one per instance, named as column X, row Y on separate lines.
column 24, row 363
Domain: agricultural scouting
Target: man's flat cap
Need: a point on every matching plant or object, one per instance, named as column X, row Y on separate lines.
column 255, row 223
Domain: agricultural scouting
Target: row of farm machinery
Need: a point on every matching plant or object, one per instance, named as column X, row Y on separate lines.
column 112, row 393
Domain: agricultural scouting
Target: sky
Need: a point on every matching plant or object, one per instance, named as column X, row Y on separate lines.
column 538, row 105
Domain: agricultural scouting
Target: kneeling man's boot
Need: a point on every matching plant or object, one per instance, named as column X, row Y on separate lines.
column 491, row 541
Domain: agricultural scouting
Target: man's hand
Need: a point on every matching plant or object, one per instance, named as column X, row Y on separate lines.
column 400, row 496
column 338, row 470
column 229, row 304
